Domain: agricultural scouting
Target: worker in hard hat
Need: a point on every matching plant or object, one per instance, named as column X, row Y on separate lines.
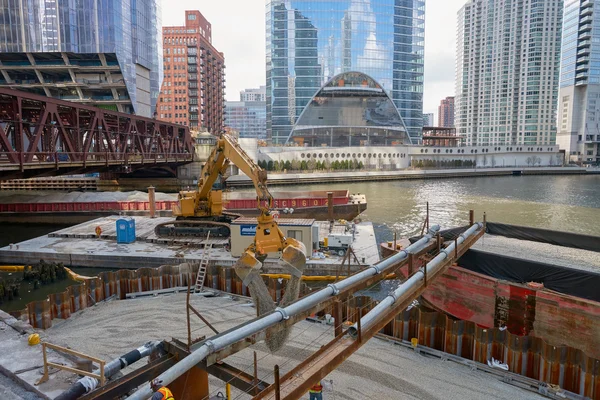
column 316, row 390
column 161, row 392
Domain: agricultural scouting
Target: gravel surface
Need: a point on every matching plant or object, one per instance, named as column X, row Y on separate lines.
column 81, row 197
column 541, row 252
column 379, row 370
column 12, row 390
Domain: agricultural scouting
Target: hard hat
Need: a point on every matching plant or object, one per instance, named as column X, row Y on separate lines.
column 33, row 339
column 156, row 383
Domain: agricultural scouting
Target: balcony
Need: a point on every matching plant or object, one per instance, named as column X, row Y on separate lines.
column 583, row 59
column 583, row 52
column 583, row 43
column 585, row 20
column 587, row 3
column 586, row 11
column 585, row 27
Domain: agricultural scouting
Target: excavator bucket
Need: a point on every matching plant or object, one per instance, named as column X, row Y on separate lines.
column 293, row 257
column 246, row 264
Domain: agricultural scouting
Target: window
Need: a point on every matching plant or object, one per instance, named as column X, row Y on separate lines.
column 296, row 234
column 191, row 17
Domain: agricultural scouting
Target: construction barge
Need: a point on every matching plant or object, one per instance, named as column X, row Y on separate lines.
column 523, row 295
column 78, row 207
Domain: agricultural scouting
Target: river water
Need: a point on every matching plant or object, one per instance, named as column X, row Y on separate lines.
column 565, row 203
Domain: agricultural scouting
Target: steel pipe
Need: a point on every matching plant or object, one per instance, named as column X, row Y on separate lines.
column 221, row 341
column 87, row 383
column 412, row 283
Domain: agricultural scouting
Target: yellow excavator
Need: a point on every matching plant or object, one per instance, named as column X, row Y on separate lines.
column 200, row 212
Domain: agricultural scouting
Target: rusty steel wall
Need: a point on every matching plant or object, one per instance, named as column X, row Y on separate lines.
column 120, row 283
column 530, row 356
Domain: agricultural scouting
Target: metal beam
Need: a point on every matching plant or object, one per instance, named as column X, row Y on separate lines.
column 296, row 382
column 343, row 295
column 227, row 373
column 140, row 376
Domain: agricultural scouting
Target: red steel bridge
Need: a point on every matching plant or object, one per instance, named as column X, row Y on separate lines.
column 42, row 136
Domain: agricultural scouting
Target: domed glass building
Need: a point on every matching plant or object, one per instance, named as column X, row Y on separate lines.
column 352, row 109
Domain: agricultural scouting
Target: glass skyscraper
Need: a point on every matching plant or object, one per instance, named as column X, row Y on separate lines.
column 102, row 52
column 309, row 42
column 579, row 94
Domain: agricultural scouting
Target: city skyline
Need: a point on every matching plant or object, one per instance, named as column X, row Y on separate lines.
column 245, row 54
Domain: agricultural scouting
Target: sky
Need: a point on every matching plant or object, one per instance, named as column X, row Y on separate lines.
column 238, row 30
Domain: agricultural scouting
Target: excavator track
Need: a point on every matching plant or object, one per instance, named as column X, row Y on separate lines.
column 189, row 227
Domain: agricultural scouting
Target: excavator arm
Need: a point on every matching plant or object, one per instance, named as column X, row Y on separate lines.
column 206, row 201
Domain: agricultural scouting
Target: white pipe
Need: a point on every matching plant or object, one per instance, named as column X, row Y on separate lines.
column 223, row 340
column 412, row 283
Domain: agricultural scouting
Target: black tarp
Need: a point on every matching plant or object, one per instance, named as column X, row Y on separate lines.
column 565, row 239
column 565, row 280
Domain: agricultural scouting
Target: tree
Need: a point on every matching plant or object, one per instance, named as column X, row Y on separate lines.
column 360, row 165
column 303, row 165
column 529, row 161
column 276, row 166
column 311, row 164
column 295, row 165
column 287, row 165
column 270, row 165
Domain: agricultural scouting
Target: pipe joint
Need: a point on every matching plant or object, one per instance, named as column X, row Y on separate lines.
column 394, row 297
column 211, row 345
column 334, row 288
column 283, row 313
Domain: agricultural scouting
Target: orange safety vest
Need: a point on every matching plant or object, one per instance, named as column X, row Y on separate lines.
column 318, row 388
column 167, row 395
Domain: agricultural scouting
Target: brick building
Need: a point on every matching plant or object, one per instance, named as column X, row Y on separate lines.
column 446, row 113
column 193, row 89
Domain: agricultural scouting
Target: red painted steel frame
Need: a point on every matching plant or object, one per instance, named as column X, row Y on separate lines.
column 38, row 133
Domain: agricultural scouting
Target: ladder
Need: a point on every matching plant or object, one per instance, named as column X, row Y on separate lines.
column 203, row 266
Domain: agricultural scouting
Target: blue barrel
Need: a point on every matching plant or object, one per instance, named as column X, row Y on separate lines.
column 125, row 230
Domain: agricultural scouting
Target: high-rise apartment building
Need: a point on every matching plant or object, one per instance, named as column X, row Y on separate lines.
column 193, row 90
column 254, row 94
column 249, row 115
column 579, row 94
column 105, row 54
column 446, row 113
column 311, row 42
column 428, row 119
column 507, row 71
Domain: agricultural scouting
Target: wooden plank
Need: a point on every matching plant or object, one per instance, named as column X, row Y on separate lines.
column 73, row 352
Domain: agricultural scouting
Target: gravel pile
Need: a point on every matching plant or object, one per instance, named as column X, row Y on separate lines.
column 379, row 370
column 81, row 197
column 541, row 252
